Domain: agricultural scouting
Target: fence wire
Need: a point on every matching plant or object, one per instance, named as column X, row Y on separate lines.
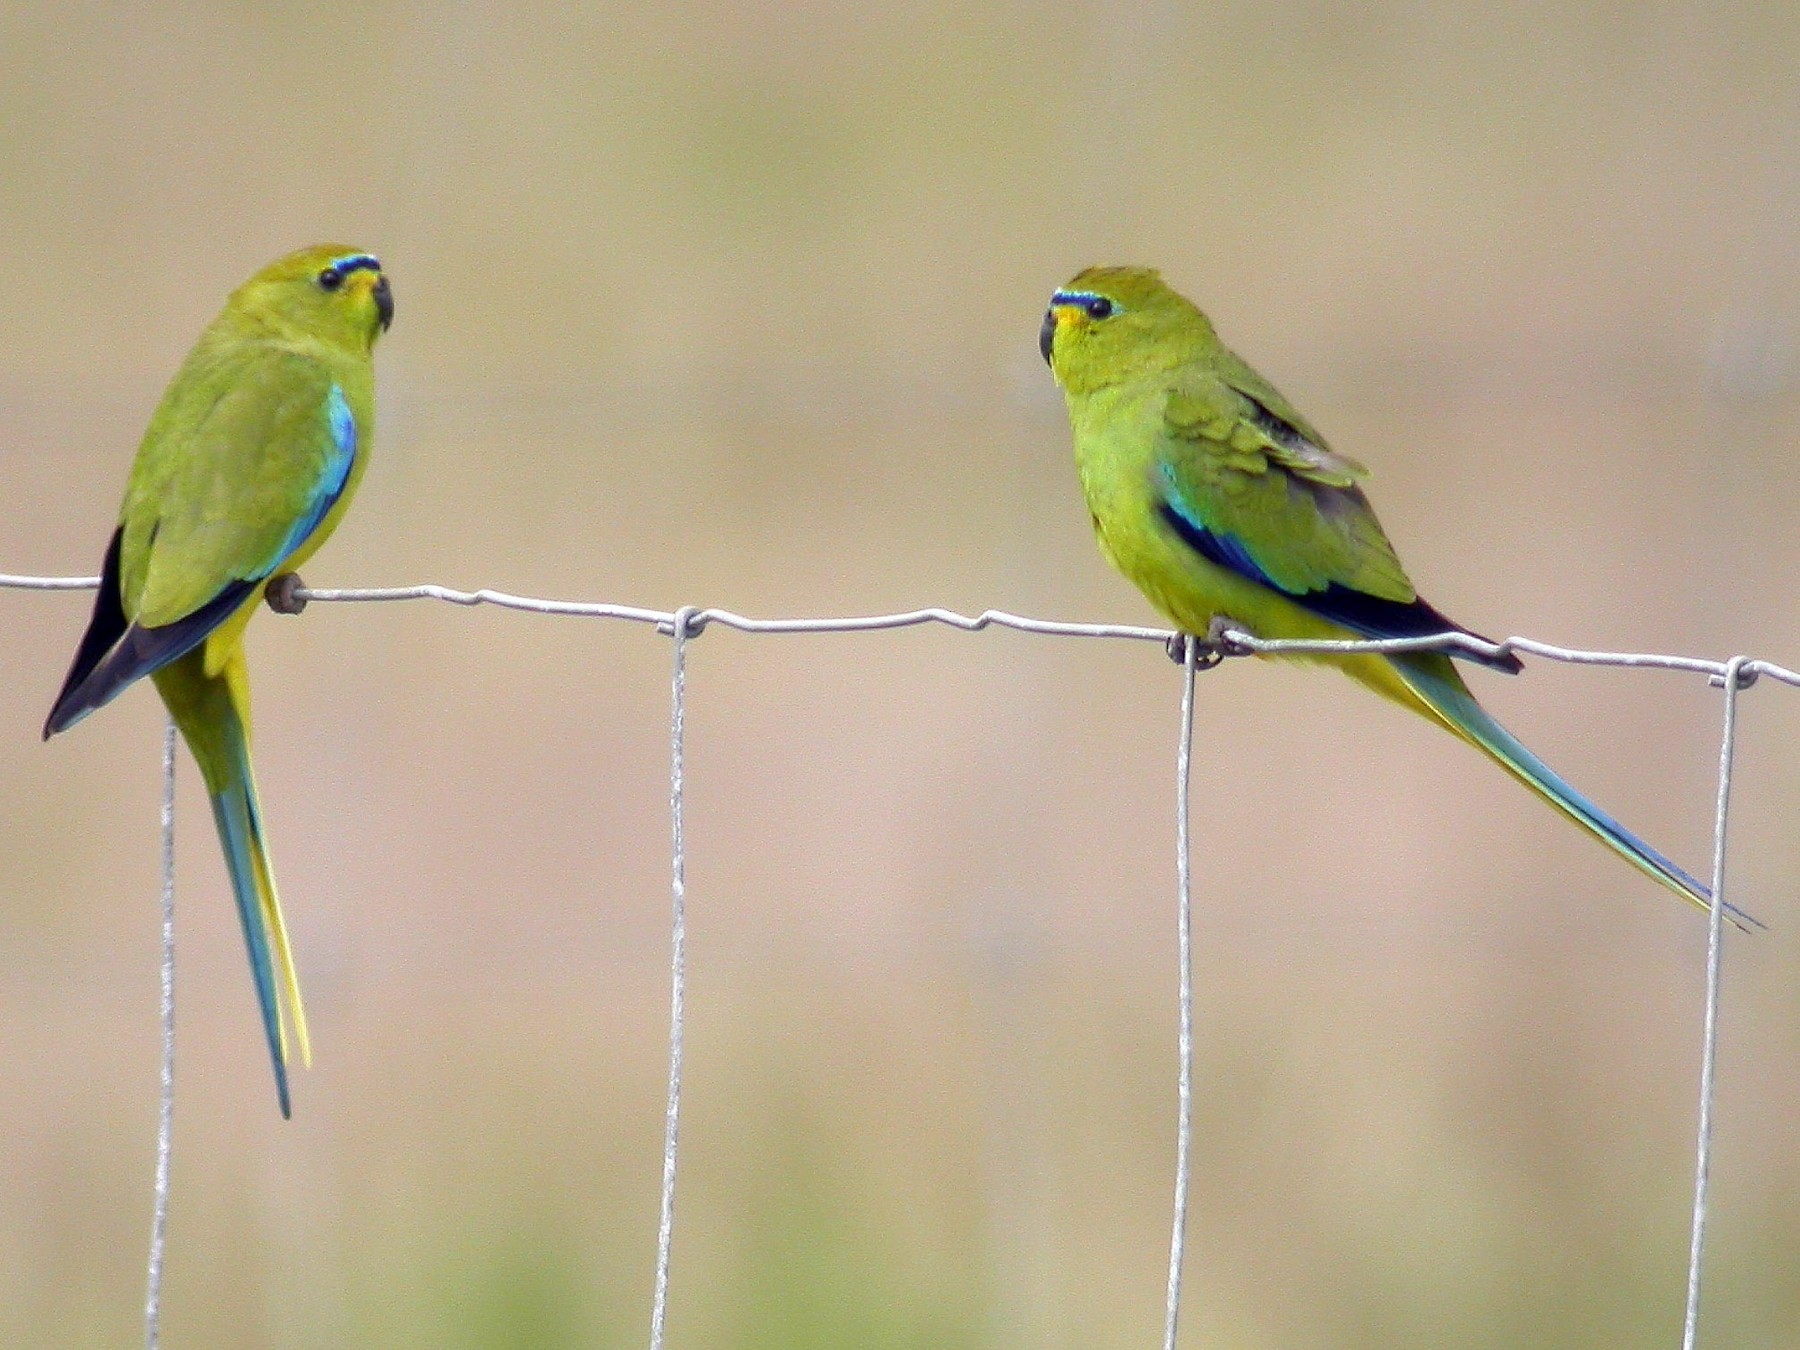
column 1709, row 1036
column 684, row 624
column 165, row 1112
column 1184, row 997
column 665, row 1226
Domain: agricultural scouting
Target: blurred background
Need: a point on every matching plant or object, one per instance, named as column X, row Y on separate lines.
column 737, row 305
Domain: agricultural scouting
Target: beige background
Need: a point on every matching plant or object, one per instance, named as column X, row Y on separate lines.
column 738, row 306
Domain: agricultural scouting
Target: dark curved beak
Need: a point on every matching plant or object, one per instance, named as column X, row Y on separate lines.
column 384, row 303
column 1047, row 334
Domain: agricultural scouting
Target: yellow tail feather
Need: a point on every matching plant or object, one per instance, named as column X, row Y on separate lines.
column 290, row 1009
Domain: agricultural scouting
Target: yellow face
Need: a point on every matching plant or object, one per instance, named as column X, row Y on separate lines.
column 1108, row 322
column 364, row 286
column 331, row 291
column 1091, row 327
column 1072, row 309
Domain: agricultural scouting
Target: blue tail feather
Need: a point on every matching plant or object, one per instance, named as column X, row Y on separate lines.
column 240, row 832
column 1444, row 691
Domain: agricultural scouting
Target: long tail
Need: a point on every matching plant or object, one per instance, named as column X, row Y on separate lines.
column 213, row 712
column 1438, row 690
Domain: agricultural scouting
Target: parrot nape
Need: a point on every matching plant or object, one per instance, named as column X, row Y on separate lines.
column 247, row 466
column 1212, row 494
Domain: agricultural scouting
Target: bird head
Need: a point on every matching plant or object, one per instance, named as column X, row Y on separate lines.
column 330, row 292
column 1110, row 323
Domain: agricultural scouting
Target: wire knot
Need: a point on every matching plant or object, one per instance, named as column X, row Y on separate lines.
column 1743, row 669
column 687, row 622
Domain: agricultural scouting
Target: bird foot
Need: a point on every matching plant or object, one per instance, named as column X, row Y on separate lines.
column 281, row 596
column 1218, row 636
column 1209, row 650
column 1206, row 655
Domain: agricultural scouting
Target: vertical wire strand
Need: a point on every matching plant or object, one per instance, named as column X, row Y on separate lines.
column 1709, row 1042
column 1184, row 1121
column 165, row 1117
column 665, row 1228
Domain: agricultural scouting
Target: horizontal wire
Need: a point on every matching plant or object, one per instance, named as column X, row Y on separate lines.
column 1231, row 642
column 48, row 583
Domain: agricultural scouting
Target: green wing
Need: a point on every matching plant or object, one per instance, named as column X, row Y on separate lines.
column 1251, row 482
column 241, row 461
column 1250, row 487
column 248, row 452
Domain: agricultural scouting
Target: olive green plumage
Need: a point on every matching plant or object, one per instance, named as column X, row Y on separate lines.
column 248, row 464
column 1211, row 492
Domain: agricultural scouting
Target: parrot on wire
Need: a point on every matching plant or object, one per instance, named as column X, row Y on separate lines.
column 1212, row 494
column 246, row 468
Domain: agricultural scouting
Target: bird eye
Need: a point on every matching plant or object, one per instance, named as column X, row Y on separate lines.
column 1099, row 308
column 330, row 279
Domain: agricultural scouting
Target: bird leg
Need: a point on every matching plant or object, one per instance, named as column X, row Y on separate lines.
column 1206, row 655
column 1213, row 648
column 280, row 594
column 1218, row 636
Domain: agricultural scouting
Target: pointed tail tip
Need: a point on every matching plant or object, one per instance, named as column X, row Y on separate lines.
column 1702, row 896
column 66, row 714
column 281, row 1091
column 1744, row 922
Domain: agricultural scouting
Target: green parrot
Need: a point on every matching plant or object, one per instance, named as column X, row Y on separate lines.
column 246, row 468
column 1221, row 502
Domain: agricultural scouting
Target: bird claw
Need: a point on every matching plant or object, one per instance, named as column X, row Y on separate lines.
column 1218, row 635
column 1206, row 654
column 1211, row 649
column 281, row 594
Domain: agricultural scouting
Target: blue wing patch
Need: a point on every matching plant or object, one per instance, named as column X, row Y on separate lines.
column 1222, row 550
column 343, row 429
column 1360, row 612
column 336, row 472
